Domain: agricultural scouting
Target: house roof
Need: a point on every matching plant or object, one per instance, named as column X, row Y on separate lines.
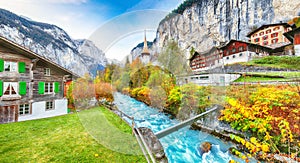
column 290, row 34
column 248, row 43
column 266, row 26
column 30, row 54
column 269, row 49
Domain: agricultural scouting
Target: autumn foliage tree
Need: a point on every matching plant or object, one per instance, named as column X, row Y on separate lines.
column 103, row 90
column 83, row 91
column 271, row 114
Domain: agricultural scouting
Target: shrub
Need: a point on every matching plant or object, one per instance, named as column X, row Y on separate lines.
column 104, row 91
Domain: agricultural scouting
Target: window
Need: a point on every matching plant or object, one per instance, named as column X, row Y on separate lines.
column 274, row 41
column 256, row 40
column 261, row 33
column 227, row 58
column 48, row 88
column 24, row 109
column 10, row 88
column 241, row 54
column 274, row 35
column 49, row 105
column 276, row 28
column 241, row 48
column 268, row 31
column 265, row 37
column 47, row 71
column 204, row 77
column 265, row 42
column 233, row 50
column 10, row 66
column 233, row 56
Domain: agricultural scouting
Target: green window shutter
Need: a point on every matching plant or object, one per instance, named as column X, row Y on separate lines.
column 1, row 65
column 56, row 87
column 22, row 88
column 41, row 87
column 22, row 67
column 1, row 87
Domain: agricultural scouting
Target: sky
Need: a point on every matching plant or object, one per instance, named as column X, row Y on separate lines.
column 98, row 20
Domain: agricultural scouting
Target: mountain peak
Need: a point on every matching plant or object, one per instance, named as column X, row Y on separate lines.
column 52, row 42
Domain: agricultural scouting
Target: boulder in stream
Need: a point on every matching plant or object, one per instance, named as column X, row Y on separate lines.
column 205, row 147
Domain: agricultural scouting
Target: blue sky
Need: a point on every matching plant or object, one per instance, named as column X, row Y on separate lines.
column 81, row 18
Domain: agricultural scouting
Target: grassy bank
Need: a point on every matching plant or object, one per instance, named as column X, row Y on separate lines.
column 258, row 79
column 59, row 139
column 276, row 62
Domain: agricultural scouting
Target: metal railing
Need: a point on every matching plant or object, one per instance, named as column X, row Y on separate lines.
column 141, row 141
column 180, row 125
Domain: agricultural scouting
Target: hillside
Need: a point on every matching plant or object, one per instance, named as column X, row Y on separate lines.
column 53, row 43
column 201, row 24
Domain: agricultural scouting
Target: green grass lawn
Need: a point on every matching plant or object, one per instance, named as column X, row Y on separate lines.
column 290, row 62
column 61, row 139
column 288, row 75
column 257, row 79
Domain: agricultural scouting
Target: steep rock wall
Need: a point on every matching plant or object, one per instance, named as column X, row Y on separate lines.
column 211, row 22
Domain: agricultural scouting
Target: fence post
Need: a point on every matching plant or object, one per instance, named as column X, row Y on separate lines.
column 132, row 125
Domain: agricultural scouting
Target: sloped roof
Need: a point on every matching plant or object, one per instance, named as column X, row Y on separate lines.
column 28, row 53
column 228, row 43
column 290, row 34
column 266, row 26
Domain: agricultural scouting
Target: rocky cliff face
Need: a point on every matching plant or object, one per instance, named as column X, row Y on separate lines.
column 208, row 23
column 50, row 41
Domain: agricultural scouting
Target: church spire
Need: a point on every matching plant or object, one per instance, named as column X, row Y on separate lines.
column 145, row 49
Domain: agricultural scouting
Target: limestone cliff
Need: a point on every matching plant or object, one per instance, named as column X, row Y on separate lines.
column 207, row 23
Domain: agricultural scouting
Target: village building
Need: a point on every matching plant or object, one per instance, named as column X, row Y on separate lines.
column 270, row 35
column 208, row 79
column 294, row 37
column 233, row 52
column 31, row 86
column 145, row 55
column 206, row 60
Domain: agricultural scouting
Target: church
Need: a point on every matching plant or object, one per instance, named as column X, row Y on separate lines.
column 145, row 55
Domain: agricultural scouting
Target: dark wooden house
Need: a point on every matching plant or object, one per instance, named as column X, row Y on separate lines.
column 294, row 37
column 233, row 52
column 31, row 86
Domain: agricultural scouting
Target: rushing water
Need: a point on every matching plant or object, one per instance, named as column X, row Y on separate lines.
column 181, row 146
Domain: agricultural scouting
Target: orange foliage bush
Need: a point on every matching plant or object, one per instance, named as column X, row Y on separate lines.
column 104, row 91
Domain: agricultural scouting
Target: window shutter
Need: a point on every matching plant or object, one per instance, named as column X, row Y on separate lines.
column 22, row 88
column 56, row 87
column 41, row 87
column 1, row 87
column 22, row 67
column 1, row 65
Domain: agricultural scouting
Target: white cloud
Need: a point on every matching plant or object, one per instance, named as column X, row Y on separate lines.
column 122, row 47
column 111, row 35
column 76, row 20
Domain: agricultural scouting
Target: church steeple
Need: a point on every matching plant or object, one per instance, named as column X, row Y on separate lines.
column 145, row 49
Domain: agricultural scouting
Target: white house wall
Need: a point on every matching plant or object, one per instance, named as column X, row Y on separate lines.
column 213, row 79
column 297, row 50
column 235, row 58
column 245, row 57
column 39, row 111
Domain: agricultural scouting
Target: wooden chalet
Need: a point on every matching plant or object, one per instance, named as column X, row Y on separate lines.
column 270, row 34
column 294, row 37
column 233, row 52
column 31, row 86
column 205, row 60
